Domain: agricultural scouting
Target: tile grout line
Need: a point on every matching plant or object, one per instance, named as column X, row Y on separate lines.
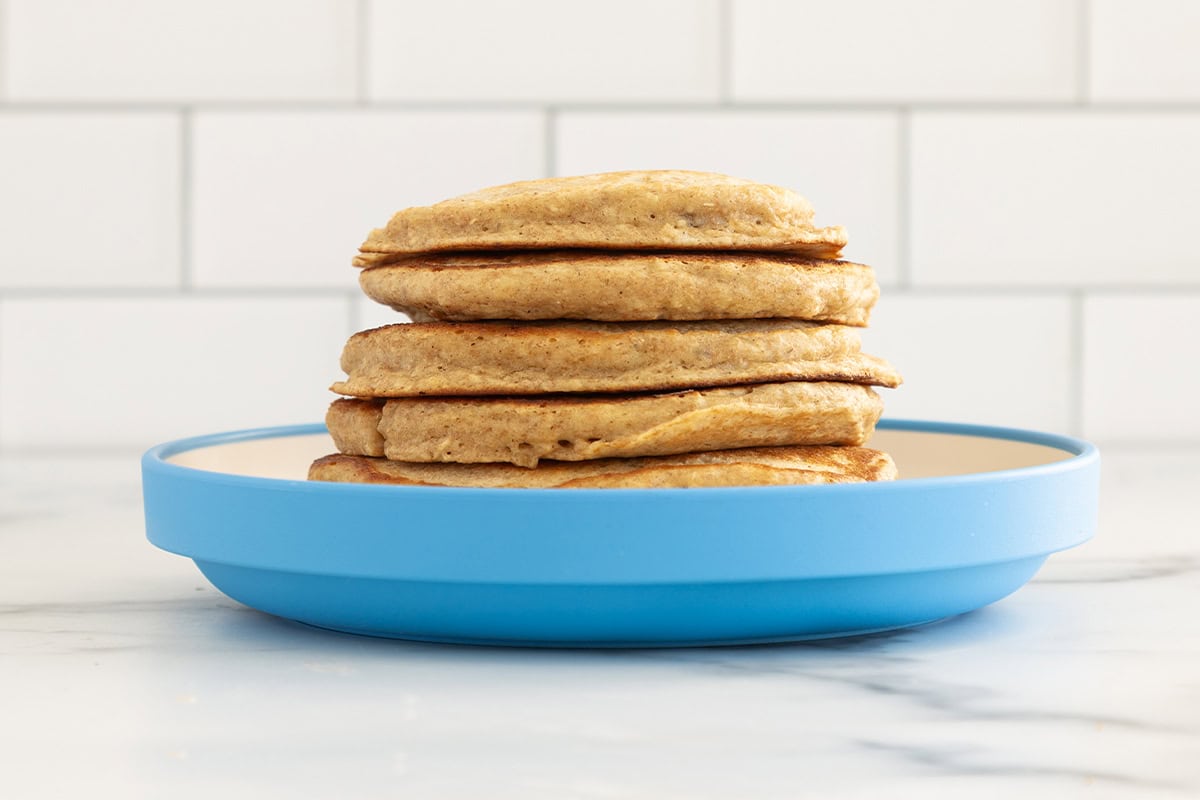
column 1083, row 56
column 725, row 52
column 186, row 279
column 1072, row 106
column 904, row 199
column 550, row 142
column 360, row 52
column 1076, row 346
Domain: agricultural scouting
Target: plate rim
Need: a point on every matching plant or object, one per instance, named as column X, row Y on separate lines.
column 954, row 513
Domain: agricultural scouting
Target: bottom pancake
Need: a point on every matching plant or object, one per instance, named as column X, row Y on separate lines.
column 522, row 430
column 757, row 466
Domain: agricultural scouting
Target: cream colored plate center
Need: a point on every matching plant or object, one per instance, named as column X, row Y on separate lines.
column 917, row 454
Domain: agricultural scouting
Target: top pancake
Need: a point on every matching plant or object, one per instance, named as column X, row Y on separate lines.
column 659, row 209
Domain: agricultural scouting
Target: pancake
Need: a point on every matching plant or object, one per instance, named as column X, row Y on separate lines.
column 748, row 467
column 577, row 428
column 593, row 285
column 663, row 209
column 501, row 358
column 353, row 423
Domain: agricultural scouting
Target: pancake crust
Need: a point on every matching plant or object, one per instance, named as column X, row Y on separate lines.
column 499, row 358
column 748, row 467
column 582, row 284
column 577, row 428
column 661, row 209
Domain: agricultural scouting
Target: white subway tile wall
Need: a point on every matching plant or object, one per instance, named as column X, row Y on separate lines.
column 916, row 50
column 1055, row 198
column 847, row 162
column 543, row 50
column 178, row 52
column 182, row 185
column 284, row 198
column 105, row 372
column 89, row 199
column 1146, row 51
column 1140, row 373
column 976, row 357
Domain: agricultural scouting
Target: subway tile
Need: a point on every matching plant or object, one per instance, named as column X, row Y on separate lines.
column 845, row 163
column 1140, row 373
column 541, row 50
column 1145, row 50
column 142, row 50
column 1055, row 198
column 922, row 50
column 285, row 198
column 89, row 199
column 995, row 360
column 131, row 372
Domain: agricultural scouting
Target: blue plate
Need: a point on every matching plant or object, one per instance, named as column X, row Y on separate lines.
column 977, row 512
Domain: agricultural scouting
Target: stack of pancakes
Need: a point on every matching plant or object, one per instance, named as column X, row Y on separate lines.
column 629, row 329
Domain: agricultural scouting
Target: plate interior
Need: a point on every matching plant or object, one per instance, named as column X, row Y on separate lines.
column 918, row 454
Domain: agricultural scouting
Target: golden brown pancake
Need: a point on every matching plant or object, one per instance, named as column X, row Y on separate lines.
column 613, row 286
column 662, row 209
column 749, row 467
column 501, row 358
column 522, row 430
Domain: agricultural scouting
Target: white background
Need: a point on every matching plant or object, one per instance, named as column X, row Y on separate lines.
column 182, row 185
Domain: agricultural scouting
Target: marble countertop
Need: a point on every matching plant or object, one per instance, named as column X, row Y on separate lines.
column 124, row 674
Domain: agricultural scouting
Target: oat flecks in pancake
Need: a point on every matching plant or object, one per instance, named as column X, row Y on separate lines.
column 660, row 209
column 495, row 358
column 624, row 286
column 522, row 430
column 747, row 467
